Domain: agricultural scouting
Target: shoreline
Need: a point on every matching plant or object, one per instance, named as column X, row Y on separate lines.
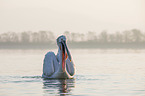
column 87, row 45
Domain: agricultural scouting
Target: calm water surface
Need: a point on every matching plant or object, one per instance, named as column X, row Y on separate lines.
column 99, row 73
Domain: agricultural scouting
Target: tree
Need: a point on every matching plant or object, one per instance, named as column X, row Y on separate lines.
column 68, row 35
column 136, row 35
column 127, row 36
column 43, row 36
column 13, row 37
column 103, row 37
column 25, row 37
column 82, row 36
column 51, row 37
column 5, row 37
column 73, row 37
column 35, row 37
column 111, row 38
column 91, row 36
column 118, row 37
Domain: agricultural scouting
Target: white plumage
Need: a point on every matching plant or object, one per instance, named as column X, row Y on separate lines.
column 60, row 65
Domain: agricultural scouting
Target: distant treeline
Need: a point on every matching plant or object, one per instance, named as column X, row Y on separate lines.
column 128, row 38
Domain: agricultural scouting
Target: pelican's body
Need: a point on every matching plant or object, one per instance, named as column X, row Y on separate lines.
column 60, row 65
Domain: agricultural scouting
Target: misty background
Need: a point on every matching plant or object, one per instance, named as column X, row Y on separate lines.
column 93, row 24
column 106, row 39
column 46, row 39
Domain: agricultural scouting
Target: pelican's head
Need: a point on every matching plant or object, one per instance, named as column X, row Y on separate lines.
column 61, row 42
column 61, row 39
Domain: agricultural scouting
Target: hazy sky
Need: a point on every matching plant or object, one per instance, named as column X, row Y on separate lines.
column 72, row 15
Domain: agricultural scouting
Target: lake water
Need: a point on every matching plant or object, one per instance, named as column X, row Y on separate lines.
column 99, row 73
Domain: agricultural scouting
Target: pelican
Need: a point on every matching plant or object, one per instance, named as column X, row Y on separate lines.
column 60, row 65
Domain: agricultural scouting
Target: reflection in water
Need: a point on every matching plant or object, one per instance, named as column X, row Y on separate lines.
column 58, row 86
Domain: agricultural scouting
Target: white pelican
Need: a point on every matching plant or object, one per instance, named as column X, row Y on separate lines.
column 60, row 65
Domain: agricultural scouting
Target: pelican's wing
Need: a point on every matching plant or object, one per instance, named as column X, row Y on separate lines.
column 50, row 64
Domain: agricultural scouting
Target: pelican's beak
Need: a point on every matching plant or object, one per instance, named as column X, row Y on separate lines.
column 63, row 56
